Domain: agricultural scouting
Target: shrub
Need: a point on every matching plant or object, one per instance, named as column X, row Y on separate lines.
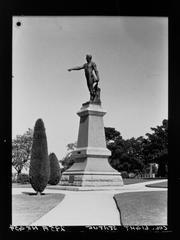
column 67, row 161
column 14, row 177
column 23, row 178
column 132, row 175
column 55, row 172
column 124, row 174
column 39, row 171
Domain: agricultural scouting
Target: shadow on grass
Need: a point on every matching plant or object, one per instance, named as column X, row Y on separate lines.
column 29, row 193
column 35, row 194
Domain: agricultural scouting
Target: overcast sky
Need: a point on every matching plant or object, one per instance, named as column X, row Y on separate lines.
column 131, row 54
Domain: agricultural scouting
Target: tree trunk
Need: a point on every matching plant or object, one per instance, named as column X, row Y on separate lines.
column 161, row 169
column 18, row 172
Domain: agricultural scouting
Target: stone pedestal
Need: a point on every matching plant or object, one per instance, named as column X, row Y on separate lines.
column 91, row 170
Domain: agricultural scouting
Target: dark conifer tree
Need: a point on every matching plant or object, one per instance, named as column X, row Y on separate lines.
column 55, row 172
column 39, row 171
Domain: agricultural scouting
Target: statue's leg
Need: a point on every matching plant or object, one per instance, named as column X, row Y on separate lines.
column 91, row 93
column 90, row 87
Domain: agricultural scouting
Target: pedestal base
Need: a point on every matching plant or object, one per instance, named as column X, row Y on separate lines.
column 91, row 169
column 91, row 172
column 91, row 180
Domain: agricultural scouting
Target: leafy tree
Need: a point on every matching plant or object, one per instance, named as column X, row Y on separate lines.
column 135, row 154
column 68, row 161
column 111, row 134
column 156, row 147
column 39, row 171
column 115, row 143
column 55, row 172
column 126, row 155
column 21, row 149
column 71, row 146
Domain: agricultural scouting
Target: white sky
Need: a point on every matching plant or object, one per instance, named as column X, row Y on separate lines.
column 131, row 54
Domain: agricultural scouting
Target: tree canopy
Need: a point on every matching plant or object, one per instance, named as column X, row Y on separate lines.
column 135, row 154
column 68, row 161
column 156, row 147
column 21, row 149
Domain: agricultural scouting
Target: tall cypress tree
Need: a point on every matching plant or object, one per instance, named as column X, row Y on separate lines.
column 55, row 172
column 39, row 171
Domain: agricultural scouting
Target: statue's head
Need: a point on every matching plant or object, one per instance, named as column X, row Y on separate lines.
column 88, row 57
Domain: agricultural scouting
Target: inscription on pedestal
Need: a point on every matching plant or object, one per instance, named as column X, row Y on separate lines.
column 71, row 178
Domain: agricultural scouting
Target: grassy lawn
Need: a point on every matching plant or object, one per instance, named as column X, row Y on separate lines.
column 19, row 185
column 158, row 185
column 27, row 208
column 137, row 180
column 143, row 208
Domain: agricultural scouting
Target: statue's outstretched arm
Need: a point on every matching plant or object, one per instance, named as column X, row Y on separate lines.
column 76, row 68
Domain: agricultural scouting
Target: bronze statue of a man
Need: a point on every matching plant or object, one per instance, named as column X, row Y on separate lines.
column 92, row 81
